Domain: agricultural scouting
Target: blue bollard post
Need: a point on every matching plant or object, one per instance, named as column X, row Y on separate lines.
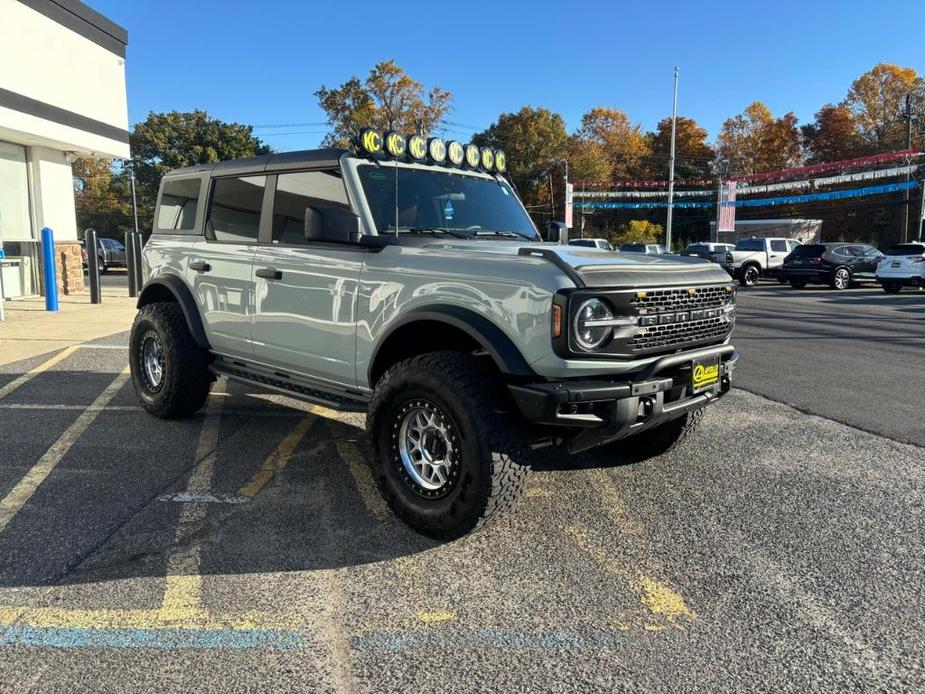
column 48, row 270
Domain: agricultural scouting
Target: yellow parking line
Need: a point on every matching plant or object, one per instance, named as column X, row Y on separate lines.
column 183, row 584
column 44, row 366
column 278, row 459
column 363, row 478
column 25, row 488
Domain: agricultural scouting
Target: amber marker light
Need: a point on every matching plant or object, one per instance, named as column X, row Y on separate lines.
column 557, row 321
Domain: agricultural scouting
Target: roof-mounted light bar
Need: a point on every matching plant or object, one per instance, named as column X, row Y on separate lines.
column 417, row 148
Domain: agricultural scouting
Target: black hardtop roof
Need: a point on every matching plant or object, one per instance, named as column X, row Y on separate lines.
column 265, row 163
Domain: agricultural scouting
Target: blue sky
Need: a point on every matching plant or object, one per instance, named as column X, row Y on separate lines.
column 260, row 62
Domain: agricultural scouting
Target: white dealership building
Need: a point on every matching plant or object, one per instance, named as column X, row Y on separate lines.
column 62, row 97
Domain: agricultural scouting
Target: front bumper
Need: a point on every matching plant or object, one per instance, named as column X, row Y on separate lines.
column 602, row 410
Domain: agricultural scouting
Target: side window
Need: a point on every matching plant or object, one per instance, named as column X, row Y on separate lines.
column 791, row 245
column 306, row 201
column 871, row 252
column 234, row 210
column 179, row 203
column 779, row 246
column 854, row 251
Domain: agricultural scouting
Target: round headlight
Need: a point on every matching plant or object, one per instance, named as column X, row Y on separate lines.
column 473, row 155
column 395, row 144
column 589, row 335
column 417, row 147
column 500, row 161
column 371, row 141
column 436, row 148
column 488, row 158
column 455, row 152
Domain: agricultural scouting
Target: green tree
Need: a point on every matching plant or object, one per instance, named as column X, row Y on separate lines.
column 636, row 231
column 388, row 99
column 166, row 141
column 877, row 100
column 102, row 199
column 755, row 141
column 533, row 139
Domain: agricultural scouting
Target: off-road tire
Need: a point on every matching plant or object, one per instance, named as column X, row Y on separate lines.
column 491, row 463
column 797, row 284
column 186, row 379
column 658, row 440
column 892, row 287
column 749, row 275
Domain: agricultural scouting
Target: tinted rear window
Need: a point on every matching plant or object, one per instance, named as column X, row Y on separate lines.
column 179, row 203
column 698, row 248
column 582, row 242
column 907, row 249
column 750, row 245
column 811, row 251
column 633, row 247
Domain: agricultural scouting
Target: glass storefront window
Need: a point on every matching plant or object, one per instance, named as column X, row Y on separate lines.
column 20, row 267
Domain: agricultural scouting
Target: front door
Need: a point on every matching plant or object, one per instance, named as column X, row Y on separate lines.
column 220, row 268
column 306, row 292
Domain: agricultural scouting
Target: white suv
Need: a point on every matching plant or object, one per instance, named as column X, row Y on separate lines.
column 903, row 265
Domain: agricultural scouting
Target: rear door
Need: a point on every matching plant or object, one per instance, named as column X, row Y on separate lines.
column 220, row 269
column 777, row 251
column 306, row 291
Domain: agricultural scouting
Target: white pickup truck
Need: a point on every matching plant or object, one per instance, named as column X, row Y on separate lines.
column 753, row 258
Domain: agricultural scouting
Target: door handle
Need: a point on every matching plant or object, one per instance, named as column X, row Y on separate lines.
column 269, row 273
column 200, row 266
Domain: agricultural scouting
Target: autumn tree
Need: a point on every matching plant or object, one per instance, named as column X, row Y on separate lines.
column 533, row 139
column 388, row 99
column 755, row 141
column 102, row 199
column 877, row 100
column 832, row 136
column 165, row 141
column 608, row 135
column 693, row 155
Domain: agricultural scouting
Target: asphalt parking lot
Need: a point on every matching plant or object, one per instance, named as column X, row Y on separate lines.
column 247, row 548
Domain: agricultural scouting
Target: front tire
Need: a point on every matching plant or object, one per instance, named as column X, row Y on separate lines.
column 892, row 287
column 170, row 371
column 658, row 440
column 446, row 455
column 841, row 279
column 749, row 276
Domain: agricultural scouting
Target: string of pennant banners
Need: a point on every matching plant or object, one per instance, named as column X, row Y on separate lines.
column 759, row 202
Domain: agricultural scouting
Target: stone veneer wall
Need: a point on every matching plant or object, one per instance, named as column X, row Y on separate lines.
column 69, row 267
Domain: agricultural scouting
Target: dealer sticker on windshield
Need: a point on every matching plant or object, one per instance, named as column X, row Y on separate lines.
column 705, row 374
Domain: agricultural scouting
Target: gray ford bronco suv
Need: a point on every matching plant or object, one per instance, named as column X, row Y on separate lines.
column 406, row 280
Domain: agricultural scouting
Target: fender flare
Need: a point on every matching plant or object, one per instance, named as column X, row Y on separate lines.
column 492, row 339
column 183, row 296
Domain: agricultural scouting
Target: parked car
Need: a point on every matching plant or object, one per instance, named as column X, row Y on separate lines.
column 647, row 248
column 435, row 309
column 753, row 258
column 835, row 264
column 110, row 253
column 902, row 266
column 592, row 243
column 717, row 252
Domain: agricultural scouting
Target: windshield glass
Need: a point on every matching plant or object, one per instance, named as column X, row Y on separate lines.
column 437, row 201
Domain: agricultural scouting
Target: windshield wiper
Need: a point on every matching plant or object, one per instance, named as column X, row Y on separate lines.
column 507, row 234
column 456, row 233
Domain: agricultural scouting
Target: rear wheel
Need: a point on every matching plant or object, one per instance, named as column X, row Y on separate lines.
column 797, row 284
column 749, row 276
column 892, row 287
column 445, row 454
column 841, row 279
column 170, row 371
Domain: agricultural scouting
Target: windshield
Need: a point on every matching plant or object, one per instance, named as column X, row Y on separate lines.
column 449, row 201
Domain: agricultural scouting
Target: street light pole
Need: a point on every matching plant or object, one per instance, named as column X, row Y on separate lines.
column 674, row 125
column 904, row 235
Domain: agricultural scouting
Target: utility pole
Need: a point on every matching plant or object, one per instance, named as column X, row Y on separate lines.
column 904, row 234
column 674, row 125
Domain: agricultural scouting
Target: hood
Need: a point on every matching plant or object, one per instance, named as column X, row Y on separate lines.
column 596, row 267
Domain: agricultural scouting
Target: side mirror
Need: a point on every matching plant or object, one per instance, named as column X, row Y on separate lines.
column 332, row 224
column 558, row 232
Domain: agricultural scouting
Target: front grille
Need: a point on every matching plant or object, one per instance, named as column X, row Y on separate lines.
column 661, row 300
column 660, row 337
